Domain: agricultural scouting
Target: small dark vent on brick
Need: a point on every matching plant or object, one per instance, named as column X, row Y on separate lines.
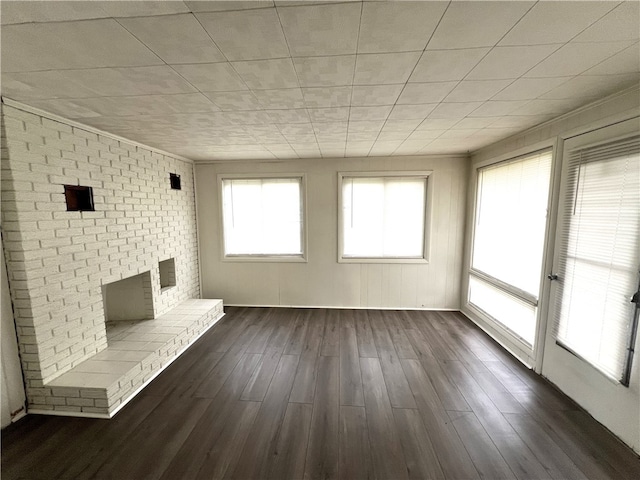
column 79, row 198
column 175, row 181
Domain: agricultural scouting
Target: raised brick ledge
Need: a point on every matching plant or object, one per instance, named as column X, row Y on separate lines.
column 137, row 352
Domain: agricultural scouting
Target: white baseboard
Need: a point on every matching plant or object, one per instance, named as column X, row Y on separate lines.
column 333, row 307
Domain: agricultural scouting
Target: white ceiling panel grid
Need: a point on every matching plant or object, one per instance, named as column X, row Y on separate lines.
column 258, row 79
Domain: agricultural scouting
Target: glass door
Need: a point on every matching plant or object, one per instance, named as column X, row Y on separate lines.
column 592, row 322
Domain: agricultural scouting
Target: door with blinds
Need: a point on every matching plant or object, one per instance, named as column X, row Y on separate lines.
column 593, row 315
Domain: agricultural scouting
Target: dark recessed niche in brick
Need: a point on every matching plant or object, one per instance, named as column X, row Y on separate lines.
column 167, row 273
column 175, row 181
column 79, row 198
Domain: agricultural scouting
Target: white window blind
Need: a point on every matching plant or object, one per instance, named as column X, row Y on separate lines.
column 508, row 242
column 510, row 223
column 600, row 254
column 383, row 217
column 262, row 216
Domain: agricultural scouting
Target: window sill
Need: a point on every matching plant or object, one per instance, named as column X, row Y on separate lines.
column 265, row 258
column 374, row 260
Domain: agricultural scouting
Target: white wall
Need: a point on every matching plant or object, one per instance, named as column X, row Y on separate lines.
column 597, row 402
column 13, row 397
column 322, row 281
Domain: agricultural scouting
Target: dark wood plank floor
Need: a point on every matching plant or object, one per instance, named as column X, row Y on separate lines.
column 321, row 394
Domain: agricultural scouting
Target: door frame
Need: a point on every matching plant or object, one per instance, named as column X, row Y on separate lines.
column 604, row 398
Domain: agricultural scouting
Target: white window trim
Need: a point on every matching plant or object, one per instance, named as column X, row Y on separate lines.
column 426, row 174
column 532, row 356
column 295, row 258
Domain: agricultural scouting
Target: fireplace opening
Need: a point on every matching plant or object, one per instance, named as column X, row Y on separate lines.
column 129, row 299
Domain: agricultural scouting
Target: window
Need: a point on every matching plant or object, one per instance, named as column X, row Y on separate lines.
column 508, row 241
column 262, row 217
column 383, row 216
column 598, row 262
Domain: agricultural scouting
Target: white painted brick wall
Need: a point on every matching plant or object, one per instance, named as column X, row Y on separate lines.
column 58, row 260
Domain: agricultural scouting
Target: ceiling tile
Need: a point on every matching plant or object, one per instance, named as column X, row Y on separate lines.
column 307, row 140
column 434, row 92
column 520, row 122
column 476, row 90
column 575, row 58
column 330, row 128
column 425, row 136
column 446, row 65
column 458, row 133
column 592, row 86
column 145, row 105
column 211, row 77
column 325, row 71
column 407, row 126
column 48, row 11
column 529, row 88
column 283, row 152
column 476, row 24
column 366, row 126
column 510, row 62
column 267, row 74
column 371, row 95
column 393, row 136
column 410, row 145
column 332, row 150
column 626, row 61
column 160, row 34
column 264, row 130
column 555, row 22
column 296, row 129
column 318, row 97
column 42, row 85
column 281, row 98
column 476, row 122
column 358, row 149
column 307, row 152
column 272, row 141
column 244, row 100
column 495, row 108
column 454, row 110
column 398, row 26
column 289, row 116
column 443, row 146
column 68, row 108
column 339, row 114
column 123, row 8
column 321, row 29
column 332, row 140
column 246, row 35
column 222, row 5
column 437, row 124
column 364, row 137
column 411, row 112
column 247, row 117
column 384, row 148
column 111, row 82
column 369, row 113
column 67, row 45
column 546, row 107
column 384, row 68
column 622, row 23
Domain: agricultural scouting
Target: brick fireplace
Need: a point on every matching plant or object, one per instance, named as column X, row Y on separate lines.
column 64, row 263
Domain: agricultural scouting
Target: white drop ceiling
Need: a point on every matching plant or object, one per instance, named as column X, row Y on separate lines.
column 226, row 80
